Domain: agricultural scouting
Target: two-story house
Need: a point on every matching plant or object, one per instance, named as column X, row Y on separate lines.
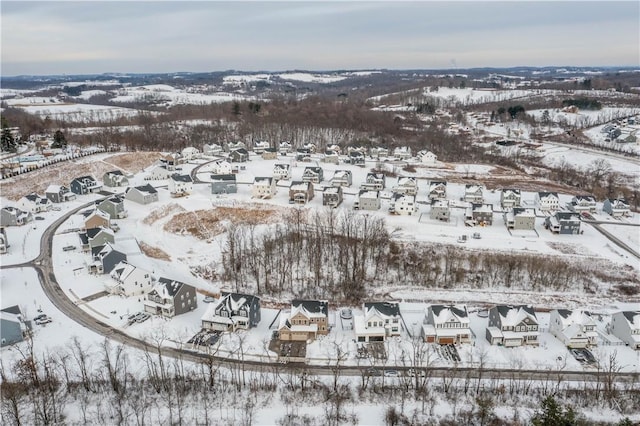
column 563, row 222
column 356, row 158
column 511, row 325
column 190, row 153
column 269, row 154
column 171, row 161
column 367, row 200
column 143, row 194
column 510, row 198
column 281, row 171
column 300, row 192
column 158, row 172
column 374, row 182
column 224, row 184
column 437, row 190
column 263, row 187
column 402, row 152
column 170, row 298
column 625, row 325
column 285, row 147
column 115, row 178
column 222, row 167
column 12, row 216
column 332, row 196
column 446, row 325
column 616, row 207
column 212, row 149
column 378, row 321
column 34, row 203
column 14, row 327
column 406, row 185
column 547, row 201
column 260, row 146
column 307, row 319
column 479, row 214
column 575, row 329
column 520, row 218
column 583, row 203
column 473, row 194
column 105, row 258
column 342, row 178
column 180, row 185
column 95, row 218
column 313, row 174
column 232, row 312
column 59, row 194
column 403, row 204
column 113, row 206
column 240, row 155
column 94, row 237
column 130, row 280
column 440, row 210
column 427, row 157
column 84, row 185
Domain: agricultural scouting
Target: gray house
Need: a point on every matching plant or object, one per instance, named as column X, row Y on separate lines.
column 12, row 216
column 224, row 184
column 440, row 210
column 481, row 214
column 115, row 178
column 510, row 198
column 332, row 196
column 95, row 237
column 437, row 190
column 105, row 258
column 342, row 178
column 511, row 325
column 59, row 194
column 563, row 222
column 583, row 203
column 84, row 185
column 313, row 174
column 232, row 312
column 520, row 218
column 616, row 207
column 113, row 206
column 356, row 158
column 240, row 155
column 367, row 200
column 13, row 327
column 144, row 194
column 170, row 298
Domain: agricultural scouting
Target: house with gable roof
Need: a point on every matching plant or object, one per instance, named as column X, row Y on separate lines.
column 374, row 182
column 378, row 321
column 224, row 184
column 300, row 192
column 59, row 194
column 34, row 203
column 332, row 196
column 232, row 312
column 143, row 194
column 520, row 218
column 331, row 157
column 263, row 187
column 95, row 237
column 306, row 320
column 95, row 218
column 14, row 328
column 427, row 157
column 547, row 201
column 403, row 204
column 406, row 185
column 342, row 178
column 313, row 174
column 480, row 214
column 583, row 203
column 212, row 149
column 437, row 190
column 113, row 206
column 171, row 161
column 446, row 325
column 13, row 216
column 260, row 146
column 270, row 154
column 618, row 207
column 222, row 167
column 367, row 200
column 105, row 258
column 440, row 210
column 84, row 185
column 158, row 172
column 563, row 222
column 190, row 153
column 625, row 325
column 239, row 155
column 129, row 280
column 510, row 198
column 512, row 325
column 402, row 152
column 473, row 194
column 285, row 147
column 115, row 178
column 170, row 298
column 180, row 185
column 356, row 158
column 574, row 328
column 281, row 171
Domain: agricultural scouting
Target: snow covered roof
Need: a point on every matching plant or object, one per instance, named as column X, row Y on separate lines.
column 471, row 188
column 368, row 194
column 310, row 308
column 547, row 195
column 633, row 317
column 513, row 315
column 446, row 313
column 167, row 287
column 263, row 180
column 55, row 189
column 235, row 301
column 485, row 208
column 386, row 309
column 181, row 178
column 332, row 190
column 223, row 178
column 146, row 189
column 569, row 317
column 299, row 186
column 508, row 191
column 407, row 181
column 281, row 166
column 435, row 184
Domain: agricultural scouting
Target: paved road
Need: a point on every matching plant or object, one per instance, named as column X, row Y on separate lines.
column 44, row 268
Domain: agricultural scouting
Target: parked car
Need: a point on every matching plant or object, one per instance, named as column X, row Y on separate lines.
column 68, row 248
column 43, row 321
column 39, row 218
column 209, row 299
column 39, row 317
column 391, row 373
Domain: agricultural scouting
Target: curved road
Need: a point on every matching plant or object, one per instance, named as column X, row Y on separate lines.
column 44, row 266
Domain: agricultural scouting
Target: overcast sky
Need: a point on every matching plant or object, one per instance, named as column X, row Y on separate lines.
column 96, row 37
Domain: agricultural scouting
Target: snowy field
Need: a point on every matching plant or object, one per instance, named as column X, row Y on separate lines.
column 74, row 112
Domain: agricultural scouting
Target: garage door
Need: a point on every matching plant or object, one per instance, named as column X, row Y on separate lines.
column 447, row 340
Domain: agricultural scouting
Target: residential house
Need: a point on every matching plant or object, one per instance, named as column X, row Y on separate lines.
column 130, row 280
column 563, row 222
column 520, row 218
column 367, row 200
column 260, row 146
column 437, row 190
column 12, row 216
column 84, row 185
column 427, row 157
column 105, row 258
column 144, row 194
column 583, row 203
column 263, row 187
column 281, row 171
column 512, row 325
column 113, row 206
column 224, row 184
column 4, row 242
column 170, row 298
column 313, row 174
column 240, row 155
column 356, row 158
column 625, row 326
column 232, row 312
column 222, row 167
column 479, row 214
column 575, row 329
column 158, row 172
column 406, row 185
column 307, row 319
column 473, row 194
column 96, row 219
column 95, row 237
column 285, row 148
column 440, row 210
column 212, row 149
column 374, row 182
column 617, row 207
column 115, row 178
column 232, row 146
column 310, row 147
column 332, row 196
column 403, row 204
column 379, row 152
column 190, row 153
column 34, row 203
column 342, row 178
column 378, row 321
column 547, row 201
column 446, row 325
column 269, row 154
column 331, row 157
column 59, row 194
column 14, row 328
column 180, row 185
column 303, row 154
column 300, row 192
column 402, row 152
column 172, row 161
column 510, row 198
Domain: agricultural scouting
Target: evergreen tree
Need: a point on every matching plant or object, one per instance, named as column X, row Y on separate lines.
column 7, row 141
column 59, row 140
column 553, row 414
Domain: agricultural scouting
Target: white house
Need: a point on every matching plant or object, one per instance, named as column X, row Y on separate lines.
column 406, row 185
column 263, row 187
column 260, row 146
column 34, row 203
column 547, row 201
column 616, row 207
column 575, row 329
column 437, row 190
column 427, row 157
column 374, row 182
column 281, row 172
column 625, row 326
column 190, row 153
column 446, row 325
column 511, row 325
column 402, row 152
column 379, row 321
column 342, row 178
column 211, row 149
column 222, row 167
column 510, row 198
column 473, row 194
column 180, row 185
column 158, row 172
column 403, row 204
column 583, row 203
column 285, row 147
column 130, row 280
